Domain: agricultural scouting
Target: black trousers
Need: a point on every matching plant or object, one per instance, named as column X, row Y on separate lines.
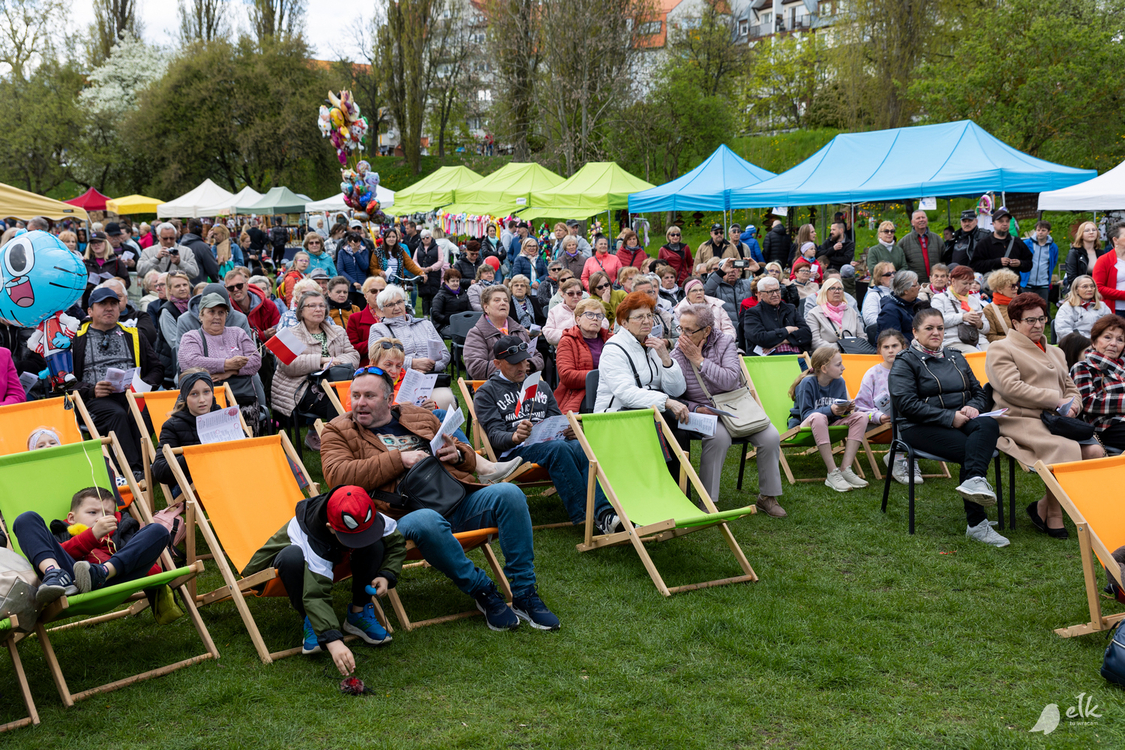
column 970, row 445
column 366, row 563
column 131, row 561
column 111, row 414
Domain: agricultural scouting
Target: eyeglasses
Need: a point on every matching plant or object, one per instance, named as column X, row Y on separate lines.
column 372, row 370
column 646, row 318
column 574, row 294
column 388, row 345
column 691, row 332
column 1036, row 321
column 521, row 347
column 236, row 287
column 593, row 316
column 316, row 307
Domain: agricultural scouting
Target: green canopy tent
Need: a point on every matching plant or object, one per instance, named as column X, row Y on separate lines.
column 433, row 191
column 599, row 187
column 278, row 201
column 503, row 192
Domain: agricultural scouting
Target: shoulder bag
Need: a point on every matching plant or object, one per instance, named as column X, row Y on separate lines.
column 1070, row 428
column 747, row 416
column 851, row 344
column 241, row 385
column 427, row 484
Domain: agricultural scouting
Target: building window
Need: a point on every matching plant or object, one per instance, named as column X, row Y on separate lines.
column 743, row 27
column 484, row 95
column 648, row 28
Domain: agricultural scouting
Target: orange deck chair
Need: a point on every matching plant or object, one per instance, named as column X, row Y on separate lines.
column 60, row 414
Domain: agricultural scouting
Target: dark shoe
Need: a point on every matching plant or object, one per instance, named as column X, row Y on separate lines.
column 1061, row 533
column 770, row 507
column 531, row 608
column 497, row 613
column 55, row 583
column 88, row 577
column 1033, row 514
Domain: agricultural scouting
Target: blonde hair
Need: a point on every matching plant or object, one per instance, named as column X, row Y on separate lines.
column 376, row 354
column 878, row 270
column 626, row 273
column 222, row 247
column 369, row 283
column 804, row 234
column 822, row 295
column 886, row 225
column 1001, row 278
column 1073, row 299
column 588, row 303
column 817, row 362
column 1078, row 234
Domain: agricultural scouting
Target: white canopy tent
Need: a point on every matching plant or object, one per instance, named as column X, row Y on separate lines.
column 336, row 203
column 1105, row 192
column 195, row 203
column 244, row 197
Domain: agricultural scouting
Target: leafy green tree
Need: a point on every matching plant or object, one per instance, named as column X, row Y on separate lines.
column 784, row 77
column 401, row 49
column 113, row 19
column 41, row 123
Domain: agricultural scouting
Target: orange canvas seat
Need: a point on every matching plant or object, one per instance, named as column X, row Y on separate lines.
column 976, row 362
column 17, row 421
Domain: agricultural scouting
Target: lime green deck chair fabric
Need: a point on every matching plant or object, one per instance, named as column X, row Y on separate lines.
column 629, row 453
column 771, row 378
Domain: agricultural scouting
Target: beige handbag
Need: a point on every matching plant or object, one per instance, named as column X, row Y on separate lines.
column 747, row 416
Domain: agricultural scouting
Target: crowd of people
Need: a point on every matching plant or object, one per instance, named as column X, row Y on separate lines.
column 661, row 331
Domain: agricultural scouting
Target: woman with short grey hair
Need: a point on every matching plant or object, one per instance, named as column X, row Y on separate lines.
column 422, row 344
column 896, row 310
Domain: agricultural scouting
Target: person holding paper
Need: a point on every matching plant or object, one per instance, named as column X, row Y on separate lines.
column 709, row 361
column 197, row 397
column 936, row 402
column 579, row 352
column 375, row 444
column 418, row 337
column 1029, row 377
column 103, row 343
column 773, row 325
column 508, row 411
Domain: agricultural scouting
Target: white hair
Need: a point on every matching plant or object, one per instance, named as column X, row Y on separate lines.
column 165, row 225
column 393, row 293
column 768, row 282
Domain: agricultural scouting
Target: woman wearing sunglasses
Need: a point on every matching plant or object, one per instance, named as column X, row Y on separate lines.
column 318, row 255
column 601, row 289
column 881, row 276
column 677, row 255
column 562, row 317
column 886, row 249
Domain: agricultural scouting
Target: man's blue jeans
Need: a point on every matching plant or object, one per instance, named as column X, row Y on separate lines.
column 569, row 468
column 501, row 505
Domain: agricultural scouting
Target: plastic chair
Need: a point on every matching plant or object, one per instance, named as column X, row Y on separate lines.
column 44, row 481
column 769, row 379
column 591, row 395
column 459, row 326
column 1084, row 489
column 627, row 460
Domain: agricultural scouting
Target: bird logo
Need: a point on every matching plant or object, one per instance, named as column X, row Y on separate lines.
column 1048, row 720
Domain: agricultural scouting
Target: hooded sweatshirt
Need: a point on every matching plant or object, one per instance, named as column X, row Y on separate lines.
column 495, row 404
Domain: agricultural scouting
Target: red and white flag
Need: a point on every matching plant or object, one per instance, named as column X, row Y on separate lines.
column 139, row 386
column 528, row 390
column 286, row 345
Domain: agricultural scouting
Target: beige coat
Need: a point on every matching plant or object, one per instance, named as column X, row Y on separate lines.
column 291, row 380
column 824, row 331
column 1028, row 381
column 998, row 322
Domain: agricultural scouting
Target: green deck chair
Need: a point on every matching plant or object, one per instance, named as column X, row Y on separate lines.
column 8, row 637
column 44, row 481
column 626, row 458
column 770, row 378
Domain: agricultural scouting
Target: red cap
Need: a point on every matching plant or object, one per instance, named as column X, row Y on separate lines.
column 352, row 515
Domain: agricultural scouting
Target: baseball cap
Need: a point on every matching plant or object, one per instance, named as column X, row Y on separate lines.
column 97, row 237
column 103, row 294
column 113, row 229
column 716, row 227
column 736, row 226
column 352, row 515
column 213, row 300
column 355, row 224
column 511, row 349
column 968, row 214
column 318, row 273
column 1001, row 213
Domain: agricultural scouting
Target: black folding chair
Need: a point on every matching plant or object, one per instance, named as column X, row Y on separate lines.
column 459, row 326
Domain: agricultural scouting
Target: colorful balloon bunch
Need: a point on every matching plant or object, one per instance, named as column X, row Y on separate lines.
column 360, row 189
column 343, row 124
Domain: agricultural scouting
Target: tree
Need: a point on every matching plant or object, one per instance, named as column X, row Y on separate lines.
column 358, row 76
column 112, row 20
column 708, row 43
column 516, row 43
column 41, row 123
column 401, row 53
column 276, row 19
column 203, row 20
column 447, row 69
column 785, row 74
column 1047, row 86
column 27, row 30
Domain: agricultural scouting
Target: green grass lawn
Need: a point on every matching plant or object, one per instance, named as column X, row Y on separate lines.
column 857, row 635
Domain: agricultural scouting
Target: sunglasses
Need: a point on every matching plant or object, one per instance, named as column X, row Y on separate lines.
column 372, row 370
column 521, row 347
column 236, row 287
column 673, row 234
column 889, row 273
column 389, row 345
column 599, row 287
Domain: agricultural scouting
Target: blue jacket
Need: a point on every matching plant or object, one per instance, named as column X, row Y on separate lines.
column 812, row 397
column 324, row 260
column 1054, row 259
column 522, row 264
column 235, row 254
column 752, row 243
column 354, row 267
column 897, row 314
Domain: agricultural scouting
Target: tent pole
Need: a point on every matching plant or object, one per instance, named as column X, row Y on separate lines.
column 949, row 211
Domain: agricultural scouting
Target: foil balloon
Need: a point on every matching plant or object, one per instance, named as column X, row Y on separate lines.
column 337, row 117
column 39, row 277
column 324, row 121
column 363, row 167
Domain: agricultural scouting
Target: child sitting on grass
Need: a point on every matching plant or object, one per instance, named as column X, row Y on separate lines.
column 874, row 398
column 820, row 398
column 95, row 555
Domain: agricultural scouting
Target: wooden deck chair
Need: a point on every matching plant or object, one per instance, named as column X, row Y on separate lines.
column 976, row 364
column 159, row 404
column 1084, row 489
column 44, row 481
column 470, row 540
column 855, row 367
column 626, row 458
column 8, row 635
column 340, row 394
column 769, row 379
column 18, row 420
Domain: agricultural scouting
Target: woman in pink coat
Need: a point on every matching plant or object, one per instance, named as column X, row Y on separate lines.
column 11, row 389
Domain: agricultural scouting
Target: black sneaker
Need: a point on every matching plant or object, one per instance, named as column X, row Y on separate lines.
column 497, row 613
column 89, row 577
column 55, row 583
column 609, row 523
column 531, row 608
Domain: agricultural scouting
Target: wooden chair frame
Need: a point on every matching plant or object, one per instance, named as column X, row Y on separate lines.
column 653, row 532
column 393, row 595
column 32, row 717
column 1088, row 544
column 57, row 609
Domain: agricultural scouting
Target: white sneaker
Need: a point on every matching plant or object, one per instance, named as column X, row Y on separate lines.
column 899, row 472
column 836, row 481
column 501, row 471
column 977, row 490
column 983, row 532
column 918, row 474
column 851, row 478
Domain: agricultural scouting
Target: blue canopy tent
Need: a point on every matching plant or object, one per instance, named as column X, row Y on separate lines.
column 706, row 188
column 946, row 160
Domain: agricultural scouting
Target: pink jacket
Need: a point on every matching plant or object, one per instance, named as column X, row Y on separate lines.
column 11, row 389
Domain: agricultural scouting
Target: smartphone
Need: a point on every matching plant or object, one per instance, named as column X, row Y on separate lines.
column 742, row 264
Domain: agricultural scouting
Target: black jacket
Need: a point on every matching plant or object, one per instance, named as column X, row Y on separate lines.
column 488, row 250
column 178, row 431
column 14, row 339
column 837, row 259
column 963, row 246
column 114, row 266
column 930, row 390
column 731, row 294
column 764, row 325
column 776, row 245
column 989, row 251
column 427, row 258
column 495, row 405
column 468, row 270
column 1077, row 264
column 447, row 304
column 152, row 372
column 897, row 314
column 205, row 261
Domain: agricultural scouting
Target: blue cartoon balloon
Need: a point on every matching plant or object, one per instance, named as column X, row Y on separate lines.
column 39, row 277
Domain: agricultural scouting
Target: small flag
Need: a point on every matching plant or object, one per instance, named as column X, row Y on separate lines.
column 528, row 390
column 139, row 386
column 285, row 345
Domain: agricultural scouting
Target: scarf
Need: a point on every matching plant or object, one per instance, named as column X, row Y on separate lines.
column 835, row 313
column 963, row 300
column 1087, row 305
column 1000, row 299
column 887, row 245
column 181, row 304
column 939, row 353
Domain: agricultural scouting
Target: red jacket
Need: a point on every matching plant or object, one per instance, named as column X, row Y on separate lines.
column 682, row 264
column 84, row 546
column 359, row 327
column 287, row 283
column 631, row 256
column 574, row 360
column 263, row 317
column 1105, row 276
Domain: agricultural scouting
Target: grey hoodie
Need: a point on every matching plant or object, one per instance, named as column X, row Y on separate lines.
column 495, row 405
